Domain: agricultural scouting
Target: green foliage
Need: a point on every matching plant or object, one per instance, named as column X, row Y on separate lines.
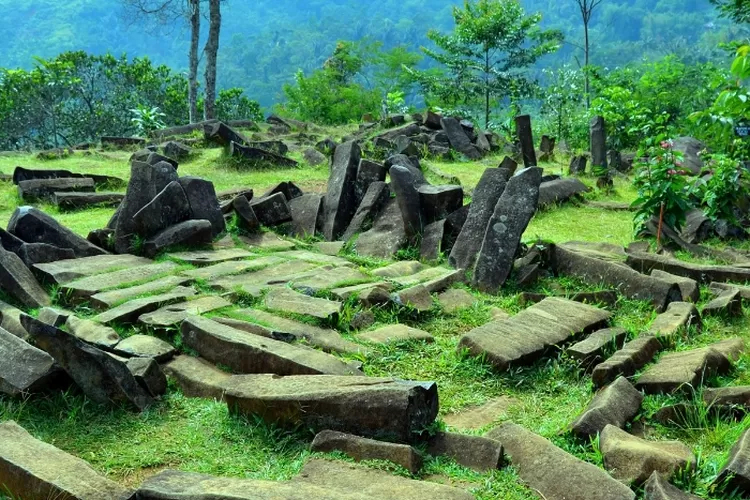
column 563, row 106
column 663, row 187
column 485, row 59
column 233, row 104
column 737, row 10
column 147, row 120
column 725, row 189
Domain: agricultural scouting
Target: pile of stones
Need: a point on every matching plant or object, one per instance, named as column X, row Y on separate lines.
column 66, row 190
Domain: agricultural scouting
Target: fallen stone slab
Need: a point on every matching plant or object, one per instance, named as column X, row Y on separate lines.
column 387, row 235
column 34, row 226
column 595, row 271
column 10, row 320
column 554, row 473
column 21, row 174
column 83, row 201
column 435, row 279
column 130, row 311
column 632, row 357
column 525, row 337
column 456, row 299
column 314, row 257
column 18, row 282
column 257, row 156
column 604, row 297
column 688, row 369
column 54, row 316
column 329, row 277
column 206, row 257
column 101, row 377
column 389, row 409
column 30, row 469
column 288, row 188
column 363, row 290
column 149, row 375
column 288, row 300
column 272, row 210
column 632, row 459
column 688, row 287
column 416, row 297
column 591, row 350
column 614, row 405
column 560, row 191
column 24, row 369
column 222, row 134
column 476, row 417
column 727, row 396
column 658, row 488
column 735, row 475
column 44, row 189
column 401, row 269
column 119, row 296
column 512, row 215
column 459, row 140
column 245, row 353
column 360, row 448
column 474, row 452
column 254, row 283
column 41, row 253
column 91, row 332
column 65, row 271
column 145, row 346
column 188, row 233
column 725, row 303
column 233, row 267
column 121, row 142
column 176, row 313
column 405, row 182
column 246, row 219
column 702, row 273
column 678, row 317
column 395, row 333
column 197, row 378
column 80, row 290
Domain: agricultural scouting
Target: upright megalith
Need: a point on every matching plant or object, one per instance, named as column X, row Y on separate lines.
column 341, row 199
column 598, row 134
column 526, row 139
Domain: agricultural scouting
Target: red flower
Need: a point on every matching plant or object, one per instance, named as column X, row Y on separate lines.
column 672, row 171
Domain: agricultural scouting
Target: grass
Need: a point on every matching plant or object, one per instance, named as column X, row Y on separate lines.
column 201, row 436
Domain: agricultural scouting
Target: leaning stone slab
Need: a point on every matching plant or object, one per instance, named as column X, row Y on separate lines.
column 632, row 459
column 725, row 303
column 702, row 273
column 525, row 337
column 360, row 448
column 145, row 346
column 387, row 408
column 735, row 475
column 688, row 369
column 119, row 296
column 203, row 203
column 197, row 378
column 92, row 332
column 404, row 183
column 176, row 313
column 31, row 469
column 169, row 207
column 678, row 317
column 287, row 300
column 23, row 368
column 554, row 473
column 340, row 202
column 395, row 333
column 387, row 235
column 130, row 311
column 376, row 196
column 245, row 353
column 34, row 226
column 459, row 140
column 80, row 290
column 592, row 349
column 658, row 488
column 100, row 376
column 65, row 271
column 149, row 375
column 688, row 287
column 17, row 281
column 630, row 283
column 305, row 211
column 475, row 452
column 632, row 357
column 272, row 210
column 10, row 320
column 512, row 215
column 615, row 405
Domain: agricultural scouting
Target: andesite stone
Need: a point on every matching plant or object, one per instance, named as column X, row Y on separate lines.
column 735, row 475
column 246, row 218
column 688, row 287
column 678, row 317
column 305, row 211
column 19, row 282
column 341, row 199
column 658, row 488
column 34, row 226
column 405, row 185
column 191, row 232
column 387, row 235
column 148, row 374
column 44, row 189
column 203, row 203
column 360, row 448
column 377, row 195
column 592, row 349
column 479, row 453
column 615, row 405
column 632, row 357
column 24, row 369
column 438, row 202
column 459, row 140
column 560, row 190
column 197, row 378
column 272, row 210
column 598, row 135
column 526, row 140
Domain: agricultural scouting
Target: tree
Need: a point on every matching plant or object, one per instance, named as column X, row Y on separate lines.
column 587, row 10
column 486, row 56
column 212, row 50
column 737, row 10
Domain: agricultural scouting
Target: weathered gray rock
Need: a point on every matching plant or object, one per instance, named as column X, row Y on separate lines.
column 18, row 282
column 34, row 226
column 405, row 185
column 82, row 201
column 260, row 157
column 416, row 297
column 387, row 235
column 246, row 219
column 130, row 311
column 632, row 357
column 83, row 288
column 726, row 302
column 149, row 375
column 658, row 488
column 702, row 273
column 690, row 149
column 177, row 150
column 512, row 215
column 459, row 140
column 388, row 409
column 525, row 337
column 455, row 299
column 21, row 174
column 251, row 354
column 222, row 134
column 65, row 271
column 32, row 469
column 197, row 378
column 272, row 210
column 438, row 202
column 678, row 317
column 44, row 189
column 203, row 203
column 341, row 198
column 484, row 199
column 367, row 173
column 177, row 313
column 189, row 233
column 633, row 460
column 727, row 396
column 578, row 165
column 554, row 473
column 101, row 377
column 615, row 405
column 116, row 297
column 475, row 452
column 314, row 157
column 360, row 448
column 598, row 134
column 735, row 475
column 10, row 320
column 526, row 140
column 305, row 211
column 591, row 350
column 688, row 287
column 23, row 368
column 213, row 255
column 92, row 332
column 697, row 227
column 145, row 346
column 377, row 195
column 287, row 300
column 560, row 190
column 395, row 333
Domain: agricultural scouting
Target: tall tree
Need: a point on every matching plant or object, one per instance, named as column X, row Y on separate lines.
column 166, row 13
column 737, row 10
column 587, row 10
column 486, row 56
column 212, row 51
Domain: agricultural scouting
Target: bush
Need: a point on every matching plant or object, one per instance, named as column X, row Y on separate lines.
column 725, row 190
column 232, row 104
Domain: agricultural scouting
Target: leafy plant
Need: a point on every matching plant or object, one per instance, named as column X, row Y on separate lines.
column 728, row 184
column 147, row 120
column 232, row 104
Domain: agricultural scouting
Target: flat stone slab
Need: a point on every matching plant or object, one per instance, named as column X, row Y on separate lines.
column 525, row 337
column 658, row 488
column 65, row 271
column 480, row 416
column 10, row 320
column 360, row 448
column 474, row 452
column 269, row 242
column 329, row 277
column 615, row 405
column 244, row 353
column 399, row 269
column 197, row 378
column 19, row 282
column 416, row 297
column 176, row 313
column 554, row 473
column 688, row 369
column 253, row 282
column 735, row 475
column 113, row 298
column 315, row 258
column 633, row 356
column 426, row 275
column 347, row 291
column 676, row 319
column 395, row 333
column 688, row 286
column 79, row 201
column 206, row 257
column 387, row 409
column 724, row 303
column 92, row 332
column 232, row 267
column 130, row 311
column 456, row 299
column 23, row 367
column 727, row 396
column 81, row 289
column 702, row 273
column 287, row 300
column 632, row 459
column 145, row 346
column 30, row 468
column 592, row 349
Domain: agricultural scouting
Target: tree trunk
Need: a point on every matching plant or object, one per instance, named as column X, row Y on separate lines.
column 212, row 50
column 486, row 88
column 195, row 32
column 586, row 66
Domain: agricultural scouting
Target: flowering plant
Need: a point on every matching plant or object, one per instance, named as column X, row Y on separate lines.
column 663, row 187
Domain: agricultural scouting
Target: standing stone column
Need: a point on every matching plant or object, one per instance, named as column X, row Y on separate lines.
column 525, row 137
column 598, row 146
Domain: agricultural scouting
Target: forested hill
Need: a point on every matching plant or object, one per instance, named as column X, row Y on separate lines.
column 265, row 41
